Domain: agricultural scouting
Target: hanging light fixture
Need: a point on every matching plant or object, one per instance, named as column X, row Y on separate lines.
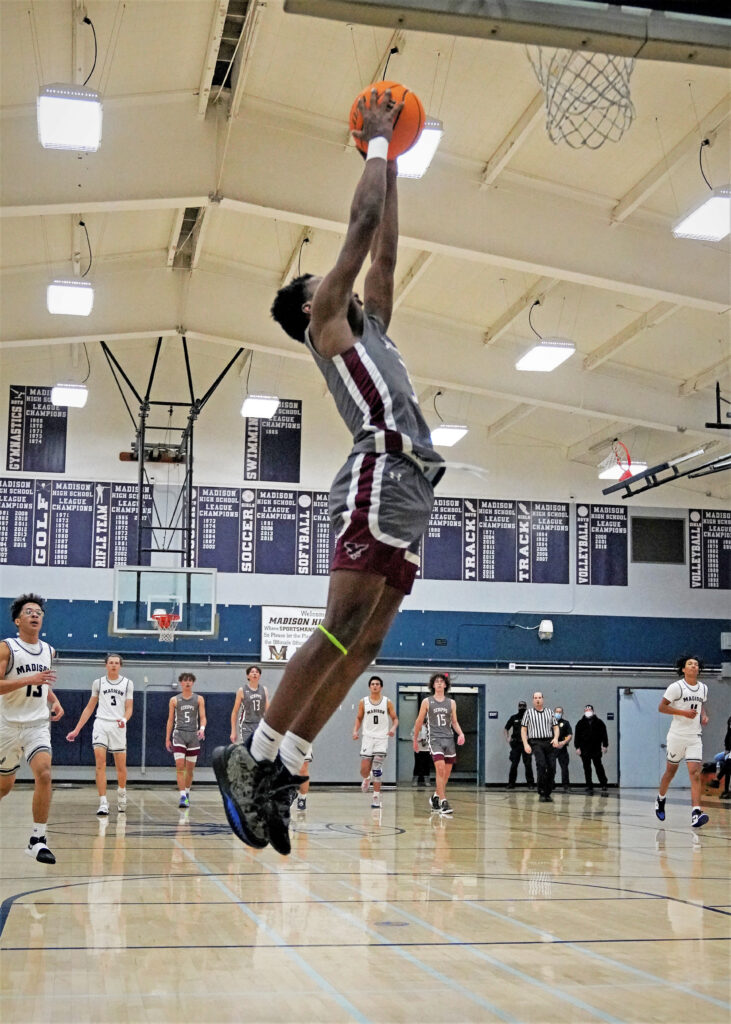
column 259, row 407
column 445, row 435
column 74, row 297
column 711, row 220
column 414, row 163
column 70, row 115
column 70, row 393
column 548, row 353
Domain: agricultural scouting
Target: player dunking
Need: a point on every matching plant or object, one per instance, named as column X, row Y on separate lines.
column 185, row 728
column 380, row 501
column 440, row 713
column 25, row 697
column 684, row 700
column 377, row 716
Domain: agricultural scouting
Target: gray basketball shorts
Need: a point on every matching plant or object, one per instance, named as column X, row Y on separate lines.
column 442, row 748
column 380, row 504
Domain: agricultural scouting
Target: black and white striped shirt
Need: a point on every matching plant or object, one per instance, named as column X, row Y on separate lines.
column 539, row 723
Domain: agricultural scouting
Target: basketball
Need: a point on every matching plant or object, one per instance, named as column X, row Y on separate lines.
column 409, row 124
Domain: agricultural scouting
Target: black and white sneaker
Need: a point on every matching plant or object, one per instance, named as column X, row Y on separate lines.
column 698, row 818
column 445, row 808
column 301, row 803
column 245, row 788
column 434, row 802
column 38, row 850
column 282, row 792
column 103, row 809
column 660, row 808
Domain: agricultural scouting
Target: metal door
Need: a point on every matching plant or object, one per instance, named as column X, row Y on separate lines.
column 641, row 736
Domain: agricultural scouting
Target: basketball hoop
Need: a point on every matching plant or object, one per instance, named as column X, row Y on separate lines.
column 587, row 95
column 618, row 460
column 166, row 623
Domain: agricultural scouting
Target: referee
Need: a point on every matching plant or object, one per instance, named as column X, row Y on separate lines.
column 539, row 732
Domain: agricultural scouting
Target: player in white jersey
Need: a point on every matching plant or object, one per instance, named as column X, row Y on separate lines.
column 684, row 700
column 113, row 693
column 375, row 713
column 25, row 696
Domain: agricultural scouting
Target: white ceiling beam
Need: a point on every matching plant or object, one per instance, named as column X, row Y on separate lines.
column 514, row 139
column 305, row 236
column 707, row 377
column 170, row 202
column 653, row 316
column 508, row 420
column 598, row 440
column 209, row 61
column 536, row 293
column 78, row 13
column 688, row 146
column 175, row 235
column 242, row 62
column 422, row 262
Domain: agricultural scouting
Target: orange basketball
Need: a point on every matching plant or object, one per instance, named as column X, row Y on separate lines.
column 410, row 121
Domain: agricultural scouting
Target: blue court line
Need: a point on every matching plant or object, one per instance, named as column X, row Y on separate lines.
column 645, row 975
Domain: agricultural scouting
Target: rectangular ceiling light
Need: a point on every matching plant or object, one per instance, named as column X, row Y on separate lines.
column 546, row 355
column 74, row 395
column 259, row 407
column 709, row 222
column 72, row 298
column 69, row 117
column 447, row 434
column 415, row 161
column 616, row 472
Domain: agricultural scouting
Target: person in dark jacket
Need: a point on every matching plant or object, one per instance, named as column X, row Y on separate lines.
column 565, row 732
column 591, row 741
column 724, row 771
column 511, row 731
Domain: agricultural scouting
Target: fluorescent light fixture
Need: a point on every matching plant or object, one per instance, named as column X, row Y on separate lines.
column 447, row 434
column 72, row 298
column 414, row 163
column 74, row 395
column 616, row 472
column 546, row 355
column 69, row 117
column 259, row 407
column 709, row 222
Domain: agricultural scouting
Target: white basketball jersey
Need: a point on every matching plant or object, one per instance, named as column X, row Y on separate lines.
column 686, row 698
column 28, row 704
column 375, row 719
column 112, row 695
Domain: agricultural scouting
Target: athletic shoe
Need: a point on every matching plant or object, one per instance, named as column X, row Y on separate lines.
column 434, row 803
column 244, row 784
column 444, row 808
column 301, row 803
column 376, row 801
column 38, row 850
column 366, row 784
column 282, row 791
column 103, row 809
column 725, row 796
column 122, row 803
column 698, row 818
column 184, row 800
column 605, row 790
column 660, row 808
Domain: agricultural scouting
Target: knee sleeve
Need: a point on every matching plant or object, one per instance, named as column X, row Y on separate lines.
column 377, row 769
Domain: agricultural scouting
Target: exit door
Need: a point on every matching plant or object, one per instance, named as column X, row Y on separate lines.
column 470, row 715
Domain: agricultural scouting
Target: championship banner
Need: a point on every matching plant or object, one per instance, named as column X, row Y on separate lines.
column 601, row 545
column 709, row 547
column 36, row 431
column 284, row 628
column 272, row 447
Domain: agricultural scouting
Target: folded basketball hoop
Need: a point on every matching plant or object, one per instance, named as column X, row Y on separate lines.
column 166, row 623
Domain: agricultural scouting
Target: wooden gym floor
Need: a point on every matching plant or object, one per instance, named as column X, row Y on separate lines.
column 512, row 910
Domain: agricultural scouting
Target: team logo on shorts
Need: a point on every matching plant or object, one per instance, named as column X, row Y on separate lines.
column 354, row 550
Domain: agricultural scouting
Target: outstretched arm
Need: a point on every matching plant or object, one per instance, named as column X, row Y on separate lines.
column 378, row 287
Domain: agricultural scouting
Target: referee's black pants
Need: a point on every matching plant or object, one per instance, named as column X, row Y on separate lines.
column 545, row 756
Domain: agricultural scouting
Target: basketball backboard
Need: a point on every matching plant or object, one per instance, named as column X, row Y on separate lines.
column 139, row 591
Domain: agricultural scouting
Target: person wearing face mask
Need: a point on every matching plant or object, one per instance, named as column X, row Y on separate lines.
column 565, row 732
column 511, row 731
column 591, row 741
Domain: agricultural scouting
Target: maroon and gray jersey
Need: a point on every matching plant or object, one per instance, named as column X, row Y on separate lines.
column 439, row 719
column 251, row 709
column 376, row 400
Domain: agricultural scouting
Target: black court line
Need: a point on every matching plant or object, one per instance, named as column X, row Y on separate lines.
column 316, row 901
column 357, row 945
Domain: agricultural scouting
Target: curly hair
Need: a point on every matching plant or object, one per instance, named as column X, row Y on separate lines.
column 685, row 658
column 287, row 307
column 17, row 606
column 440, row 675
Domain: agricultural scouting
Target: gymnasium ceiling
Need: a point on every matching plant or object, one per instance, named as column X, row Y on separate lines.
column 199, row 199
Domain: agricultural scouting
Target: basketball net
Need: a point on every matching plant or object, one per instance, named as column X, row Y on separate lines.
column 587, row 95
column 166, row 623
column 619, row 455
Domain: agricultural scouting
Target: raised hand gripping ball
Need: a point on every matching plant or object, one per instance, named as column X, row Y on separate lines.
column 409, row 124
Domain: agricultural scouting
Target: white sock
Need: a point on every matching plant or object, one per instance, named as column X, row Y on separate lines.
column 265, row 743
column 103, row 799
column 182, row 792
column 293, row 751
column 39, row 829
column 121, row 792
column 187, row 790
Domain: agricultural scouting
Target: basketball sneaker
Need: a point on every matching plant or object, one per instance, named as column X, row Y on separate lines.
column 376, row 801
column 366, row 784
column 660, row 808
column 282, row 791
column 37, row 849
column 184, row 800
column 434, row 803
column 301, row 803
column 698, row 818
column 444, row 808
column 122, row 803
column 245, row 788
column 103, row 808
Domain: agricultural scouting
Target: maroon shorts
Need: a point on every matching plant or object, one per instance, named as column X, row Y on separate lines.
column 379, row 508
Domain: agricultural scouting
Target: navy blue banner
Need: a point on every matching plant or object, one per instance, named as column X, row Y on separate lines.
column 36, row 431
column 323, row 539
column 272, row 447
column 442, row 548
column 602, row 550
column 549, row 542
column 216, row 527
column 276, row 532
column 709, row 547
column 497, row 534
column 123, row 519
column 16, row 517
column 72, row 523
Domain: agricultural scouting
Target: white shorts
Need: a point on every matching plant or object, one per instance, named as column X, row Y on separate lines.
column 688, row 747
column 18, row 738
column 108, row 734
column 371, row 747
